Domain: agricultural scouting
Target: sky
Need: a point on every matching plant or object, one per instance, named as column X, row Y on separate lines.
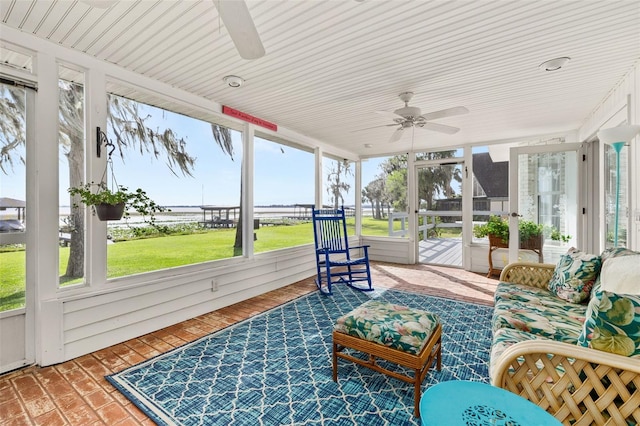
column 283, row 175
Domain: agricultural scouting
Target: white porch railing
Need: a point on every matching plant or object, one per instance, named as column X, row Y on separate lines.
column 429, row 220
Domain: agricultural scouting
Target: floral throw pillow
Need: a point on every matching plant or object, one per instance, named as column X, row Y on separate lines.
column 574, row 275
column 612, row 324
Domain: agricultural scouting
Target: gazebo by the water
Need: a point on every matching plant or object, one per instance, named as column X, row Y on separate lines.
column 11, row 203
column 220, row 216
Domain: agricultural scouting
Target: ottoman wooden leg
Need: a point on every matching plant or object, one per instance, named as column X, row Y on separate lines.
column 335, row 362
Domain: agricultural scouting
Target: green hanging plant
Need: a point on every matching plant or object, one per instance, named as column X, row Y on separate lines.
column 93, row 194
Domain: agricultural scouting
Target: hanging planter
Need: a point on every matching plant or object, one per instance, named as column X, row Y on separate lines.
column 109, row 211
column 113, row 203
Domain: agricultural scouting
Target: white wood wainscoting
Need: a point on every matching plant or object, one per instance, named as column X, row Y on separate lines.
column 13, row 329
column 385, row 249
column 91, row 322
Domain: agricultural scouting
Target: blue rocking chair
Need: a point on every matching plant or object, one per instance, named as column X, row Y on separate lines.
column 333, row 254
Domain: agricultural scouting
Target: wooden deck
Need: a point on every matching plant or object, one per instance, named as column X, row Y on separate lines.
column 441, row 251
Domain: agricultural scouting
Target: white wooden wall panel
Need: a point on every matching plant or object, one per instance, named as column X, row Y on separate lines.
column 12, row 329
column 93, row 322
column 394, row 250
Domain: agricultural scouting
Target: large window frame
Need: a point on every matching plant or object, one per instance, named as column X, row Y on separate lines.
column 201, row 189
column 281, row 219
column 73, row 223
column 97, row 259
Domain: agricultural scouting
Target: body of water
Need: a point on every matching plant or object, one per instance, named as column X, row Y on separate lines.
column 190, row 214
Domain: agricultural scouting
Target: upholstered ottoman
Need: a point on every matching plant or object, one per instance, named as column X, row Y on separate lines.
column 408, row 337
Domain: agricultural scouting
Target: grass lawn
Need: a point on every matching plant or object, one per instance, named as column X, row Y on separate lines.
column 144, row 255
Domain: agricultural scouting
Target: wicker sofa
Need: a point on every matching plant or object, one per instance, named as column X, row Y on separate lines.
column 535, row 352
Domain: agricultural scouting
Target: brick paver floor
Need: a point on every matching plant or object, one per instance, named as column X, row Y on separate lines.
column 76, row 392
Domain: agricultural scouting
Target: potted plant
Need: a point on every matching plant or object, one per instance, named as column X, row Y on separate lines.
column 531, row 234
column 113, row 204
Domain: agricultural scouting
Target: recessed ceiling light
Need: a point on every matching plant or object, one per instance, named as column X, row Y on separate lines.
column 233, row 80
column 368, row 145
column 554, row 64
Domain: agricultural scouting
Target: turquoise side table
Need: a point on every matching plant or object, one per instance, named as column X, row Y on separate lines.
column 467, row 403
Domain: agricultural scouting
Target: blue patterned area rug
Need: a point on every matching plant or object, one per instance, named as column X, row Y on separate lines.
column 275, row 368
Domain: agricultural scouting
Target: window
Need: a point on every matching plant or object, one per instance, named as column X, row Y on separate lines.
column 16, row 57
column 283, row 195
column 490, row 184
column 551, row 202
column 71, row 166
column 13, row 198
column 384, row 187
column 338, row 183
column 610, row 196
column 177, row 161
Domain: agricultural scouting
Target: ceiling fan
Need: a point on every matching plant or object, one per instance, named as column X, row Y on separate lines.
column 236, row 18
column 409, row 117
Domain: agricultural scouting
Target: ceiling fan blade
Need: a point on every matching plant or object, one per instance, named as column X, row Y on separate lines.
column 395, row 137
column 237, row 19
column 445, row 113
column 389, row 114
column 442, row 128
column 375, row 127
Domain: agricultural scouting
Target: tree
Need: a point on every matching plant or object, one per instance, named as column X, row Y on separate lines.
column 12, row 126
column 376, row 193
column 396, row 184
column 432, row 180
column 129, row 127
column 337, row 185
column 70, row 134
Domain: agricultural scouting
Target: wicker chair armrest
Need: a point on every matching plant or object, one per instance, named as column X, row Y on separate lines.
column 577, row 385
column 528, row 273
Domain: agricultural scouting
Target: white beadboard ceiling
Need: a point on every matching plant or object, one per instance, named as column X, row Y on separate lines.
column 331, row 64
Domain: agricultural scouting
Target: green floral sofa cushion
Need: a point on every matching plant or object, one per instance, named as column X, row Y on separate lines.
column 562, row 322
column 574, row 276
column 526, row 293
column 613, row 324
column 398, row 327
